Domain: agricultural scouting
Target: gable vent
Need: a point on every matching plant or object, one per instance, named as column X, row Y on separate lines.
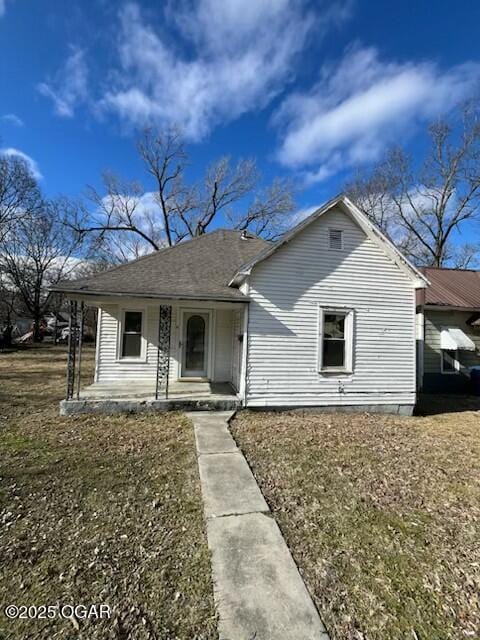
column 335, row 239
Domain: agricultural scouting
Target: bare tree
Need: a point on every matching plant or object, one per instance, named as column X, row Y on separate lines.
column 19, row 193
column 36, row 254
column 124, row 208
column 223, row 187
column 235, row 193
column 268, row 214
column 421, row 209
column 130, row 220
column 164, row 157
column 8, row 299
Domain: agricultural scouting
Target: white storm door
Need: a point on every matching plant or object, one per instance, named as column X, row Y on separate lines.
column 195, row 344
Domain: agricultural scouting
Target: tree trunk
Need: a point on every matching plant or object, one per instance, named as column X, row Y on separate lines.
column 37, row 319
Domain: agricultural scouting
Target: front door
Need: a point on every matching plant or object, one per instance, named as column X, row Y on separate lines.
column 195, row 344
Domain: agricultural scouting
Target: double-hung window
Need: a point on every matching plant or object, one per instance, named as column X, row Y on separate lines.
column 131, row 345
column 335, row 348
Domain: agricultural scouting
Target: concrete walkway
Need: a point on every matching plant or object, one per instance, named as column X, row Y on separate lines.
column 258, row 590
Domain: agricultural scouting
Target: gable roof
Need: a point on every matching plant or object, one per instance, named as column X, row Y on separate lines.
column 371, row 230
column 451, row 288
column 211, row 266
column 198, row 269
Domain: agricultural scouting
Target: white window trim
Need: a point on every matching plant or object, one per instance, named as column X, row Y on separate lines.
column 456, row 362
column 143, row 341
column 349, row 339
column 342, row 238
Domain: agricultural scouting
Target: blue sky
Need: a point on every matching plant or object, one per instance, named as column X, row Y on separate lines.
column 311, row 89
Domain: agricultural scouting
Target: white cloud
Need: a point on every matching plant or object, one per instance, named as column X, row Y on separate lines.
column 360, row 106
column 225, row 59
column 3, row 7
column 69, row 86
column 11, row 118
column 30, row 162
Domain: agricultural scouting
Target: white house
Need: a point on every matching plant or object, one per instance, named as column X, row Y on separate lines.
column 323, row 318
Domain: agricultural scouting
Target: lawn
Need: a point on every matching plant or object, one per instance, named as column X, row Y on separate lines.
column 382, row 515
column 97, row 509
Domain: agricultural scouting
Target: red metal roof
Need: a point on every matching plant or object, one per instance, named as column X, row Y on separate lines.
column 451, row 287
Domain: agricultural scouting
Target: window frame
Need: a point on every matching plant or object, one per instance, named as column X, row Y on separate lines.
column 212, row 327
column 456, row 363
column 342, row 238
column 349, row 314
column 143, row 342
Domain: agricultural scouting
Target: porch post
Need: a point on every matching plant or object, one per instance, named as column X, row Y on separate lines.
column 163, row 350
column 80, row 345
column 72, row 341
column 243, row 370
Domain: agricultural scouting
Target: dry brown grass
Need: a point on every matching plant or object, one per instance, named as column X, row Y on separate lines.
column 382, row 515
column 98, row 509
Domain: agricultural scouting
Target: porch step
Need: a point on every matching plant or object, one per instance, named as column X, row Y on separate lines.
column 137, row 405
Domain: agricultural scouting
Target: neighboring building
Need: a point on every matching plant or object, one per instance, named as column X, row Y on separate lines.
column 323, row 318
column 448, row 315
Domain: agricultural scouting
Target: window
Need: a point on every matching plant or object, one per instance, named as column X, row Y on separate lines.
column 132, row 334
column 449, row 361
column 335, row 351
column 335, row 239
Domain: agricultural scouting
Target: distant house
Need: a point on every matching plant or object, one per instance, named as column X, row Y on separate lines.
column 323, row 318
column 448, row 329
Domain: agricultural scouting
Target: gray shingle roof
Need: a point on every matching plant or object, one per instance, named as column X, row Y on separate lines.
column 200, row 268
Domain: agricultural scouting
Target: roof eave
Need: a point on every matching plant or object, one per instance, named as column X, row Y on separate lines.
column 429, row 306
column 241, row 298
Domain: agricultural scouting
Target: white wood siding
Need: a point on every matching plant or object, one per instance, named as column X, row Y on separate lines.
column 223, row 345
column 110, row 368
column 434, row 321
column 236, row 349
column 286, row 290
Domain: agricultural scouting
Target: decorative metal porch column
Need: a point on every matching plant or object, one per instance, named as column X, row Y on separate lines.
column 72, row 346
column 80, row 345
column 163, row 350
column 75, row 335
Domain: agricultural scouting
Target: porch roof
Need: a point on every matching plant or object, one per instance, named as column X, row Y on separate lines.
column 451, row 288
column 199, row 269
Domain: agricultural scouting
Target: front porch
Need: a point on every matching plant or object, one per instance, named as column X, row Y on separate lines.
column 175, row 355
column 140, row 397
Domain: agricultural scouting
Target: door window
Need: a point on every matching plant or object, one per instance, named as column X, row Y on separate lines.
column 195, row 344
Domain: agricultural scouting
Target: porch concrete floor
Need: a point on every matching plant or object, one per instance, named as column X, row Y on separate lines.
column 146, row 391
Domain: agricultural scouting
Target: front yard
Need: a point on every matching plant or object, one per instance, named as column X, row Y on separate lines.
column 382, row 515
column 96, row 510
